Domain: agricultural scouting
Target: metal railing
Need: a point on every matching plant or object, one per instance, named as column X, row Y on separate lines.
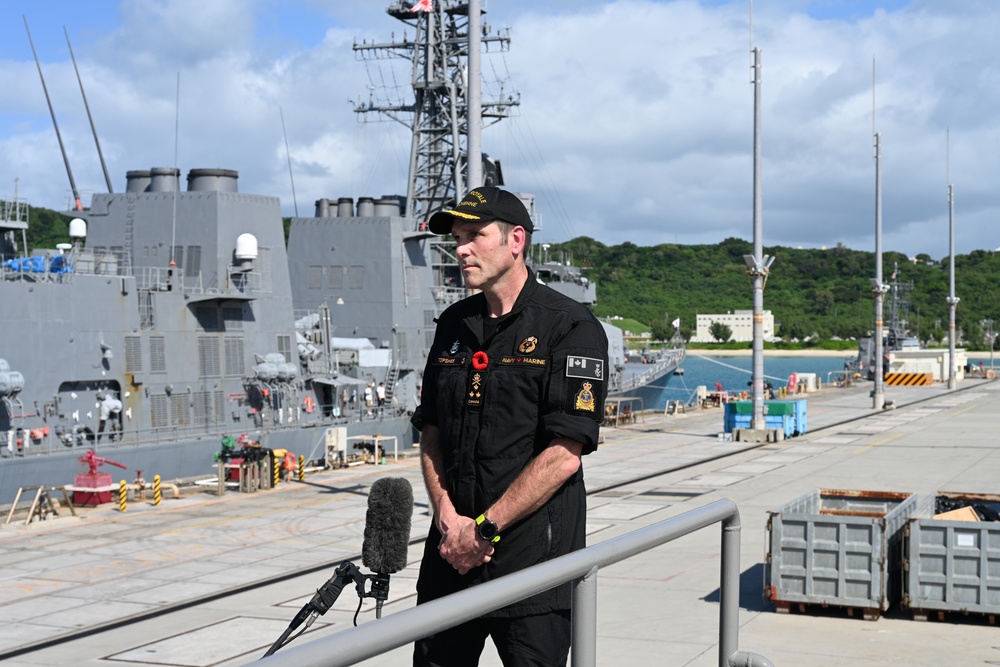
column 372, row 639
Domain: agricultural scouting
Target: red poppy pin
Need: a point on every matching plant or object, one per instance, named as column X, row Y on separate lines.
column 480, row 361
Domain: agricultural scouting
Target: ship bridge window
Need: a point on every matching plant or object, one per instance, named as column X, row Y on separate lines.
column 335, row 277
column 356, row 277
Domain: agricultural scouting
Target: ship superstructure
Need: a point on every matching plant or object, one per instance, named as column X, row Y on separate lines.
column 178, row 305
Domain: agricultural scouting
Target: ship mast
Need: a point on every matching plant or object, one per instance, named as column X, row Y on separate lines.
column 437, row 116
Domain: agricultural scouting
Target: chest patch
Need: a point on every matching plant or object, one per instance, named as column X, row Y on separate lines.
column 586, row 368
column 528, row 345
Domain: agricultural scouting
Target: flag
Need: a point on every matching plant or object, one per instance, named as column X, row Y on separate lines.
column 676, row 322
column 422, row 6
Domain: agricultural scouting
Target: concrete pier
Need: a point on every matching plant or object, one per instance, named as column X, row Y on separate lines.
column 206, row 580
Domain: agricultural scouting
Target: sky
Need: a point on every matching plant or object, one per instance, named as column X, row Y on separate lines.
column 636, row 117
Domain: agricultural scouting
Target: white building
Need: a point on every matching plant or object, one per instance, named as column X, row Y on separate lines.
column 739, row 322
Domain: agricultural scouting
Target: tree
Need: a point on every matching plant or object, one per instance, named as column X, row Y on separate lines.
column 659, row 330
column 720, row 332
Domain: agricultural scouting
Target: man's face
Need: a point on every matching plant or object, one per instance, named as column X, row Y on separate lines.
column 484, row 255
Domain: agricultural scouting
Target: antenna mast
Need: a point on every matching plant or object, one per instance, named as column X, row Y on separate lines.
column 289, row 156
column 438, row 115
column 100, row 155
column 62, row 147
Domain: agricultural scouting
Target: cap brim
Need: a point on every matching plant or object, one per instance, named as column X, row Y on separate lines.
column 441, row 222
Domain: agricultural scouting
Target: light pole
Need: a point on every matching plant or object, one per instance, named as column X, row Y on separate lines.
column 988, row 325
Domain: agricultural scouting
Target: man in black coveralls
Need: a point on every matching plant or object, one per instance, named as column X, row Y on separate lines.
column 513, row 396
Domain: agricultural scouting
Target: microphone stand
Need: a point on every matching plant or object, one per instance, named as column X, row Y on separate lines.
column 327, row 594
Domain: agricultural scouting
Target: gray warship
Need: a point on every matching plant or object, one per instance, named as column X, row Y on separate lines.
column 175, row 318
column 177, row 305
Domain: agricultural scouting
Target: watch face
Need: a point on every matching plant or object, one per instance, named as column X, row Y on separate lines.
column 488, row 530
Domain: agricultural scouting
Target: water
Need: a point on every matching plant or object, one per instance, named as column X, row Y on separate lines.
column 734, row 373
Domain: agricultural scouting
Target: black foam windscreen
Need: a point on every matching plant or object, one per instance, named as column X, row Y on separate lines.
column 387, row 525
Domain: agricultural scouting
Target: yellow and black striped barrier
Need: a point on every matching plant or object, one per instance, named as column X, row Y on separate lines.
column 302, row 468
column 122, row 496
column 156, row 490
column 909, row 379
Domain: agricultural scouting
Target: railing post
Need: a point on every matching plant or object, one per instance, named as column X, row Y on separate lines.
column 585, row 620
column 729, row 589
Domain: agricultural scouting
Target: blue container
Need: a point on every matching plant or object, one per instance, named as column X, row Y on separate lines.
column 791, row 422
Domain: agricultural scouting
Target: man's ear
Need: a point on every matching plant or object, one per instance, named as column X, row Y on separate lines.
column 517, row 240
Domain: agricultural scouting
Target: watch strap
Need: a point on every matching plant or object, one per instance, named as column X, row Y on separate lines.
column 479, row 522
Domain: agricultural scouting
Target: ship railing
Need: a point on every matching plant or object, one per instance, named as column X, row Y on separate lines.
column 444, row 294
column 353, row 645
column 156, row 278
column 50, row 442
column 638, row 379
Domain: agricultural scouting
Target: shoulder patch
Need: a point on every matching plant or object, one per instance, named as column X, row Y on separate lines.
column 587, row 368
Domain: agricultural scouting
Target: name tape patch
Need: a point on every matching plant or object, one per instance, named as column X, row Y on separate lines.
column 584, row 367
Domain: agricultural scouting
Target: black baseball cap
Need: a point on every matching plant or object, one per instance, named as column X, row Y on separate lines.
column 484, row 204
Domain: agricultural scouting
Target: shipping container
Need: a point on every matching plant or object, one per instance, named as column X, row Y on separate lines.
column 787, row 416
column 838, row 547
column 953, row 564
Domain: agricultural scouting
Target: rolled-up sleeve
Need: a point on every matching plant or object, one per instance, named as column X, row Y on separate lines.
column 574, row 403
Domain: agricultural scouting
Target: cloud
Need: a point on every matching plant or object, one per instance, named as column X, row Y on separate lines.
column 635, row 123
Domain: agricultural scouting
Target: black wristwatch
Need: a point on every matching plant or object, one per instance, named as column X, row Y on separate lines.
column 488, row 530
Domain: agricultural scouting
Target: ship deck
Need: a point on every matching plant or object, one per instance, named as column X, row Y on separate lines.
column 206, row 580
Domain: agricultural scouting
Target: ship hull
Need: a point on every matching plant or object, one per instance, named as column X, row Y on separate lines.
column 52, row 464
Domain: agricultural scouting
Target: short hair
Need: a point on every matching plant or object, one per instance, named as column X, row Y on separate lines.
column 506, row 228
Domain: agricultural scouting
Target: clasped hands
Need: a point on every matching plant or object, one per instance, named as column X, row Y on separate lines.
column 461, row 545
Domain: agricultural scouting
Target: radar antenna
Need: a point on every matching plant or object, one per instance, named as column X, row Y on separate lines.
column 437, row 116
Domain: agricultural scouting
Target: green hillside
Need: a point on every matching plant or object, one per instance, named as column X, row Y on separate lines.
column 811, row 292
column 822, row 293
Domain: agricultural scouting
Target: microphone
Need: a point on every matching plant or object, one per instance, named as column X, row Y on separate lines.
column 387, row 533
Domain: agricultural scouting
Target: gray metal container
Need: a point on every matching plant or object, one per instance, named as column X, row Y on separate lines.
column 838, row 547
column 951, row 565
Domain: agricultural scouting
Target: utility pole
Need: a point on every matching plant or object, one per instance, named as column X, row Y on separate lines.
column 758, row 264
column 988, row 325
column 952, row 299
column 878, row 287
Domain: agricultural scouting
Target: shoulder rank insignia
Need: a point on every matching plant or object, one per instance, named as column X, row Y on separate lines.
column 528, row 345
column 585, row 398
